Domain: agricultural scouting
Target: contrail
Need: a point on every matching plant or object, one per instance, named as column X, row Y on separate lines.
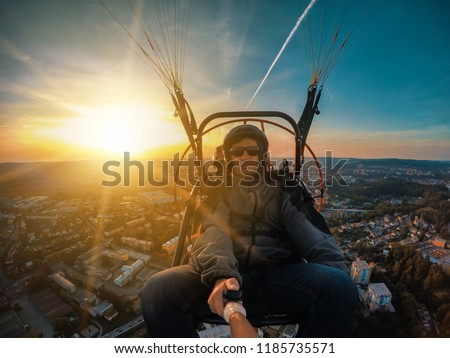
column 297, row 24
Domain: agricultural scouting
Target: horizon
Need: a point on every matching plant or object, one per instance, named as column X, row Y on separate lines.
column 80, row 178
column 142, row 158
column 72, row 91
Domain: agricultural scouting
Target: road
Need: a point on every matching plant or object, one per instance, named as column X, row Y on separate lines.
column 126, row 328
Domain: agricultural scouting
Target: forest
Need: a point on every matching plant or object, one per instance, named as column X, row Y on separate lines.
column 413, row 281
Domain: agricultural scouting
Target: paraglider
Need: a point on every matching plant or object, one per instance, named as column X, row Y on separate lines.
column 324, row 27
column 165, row 55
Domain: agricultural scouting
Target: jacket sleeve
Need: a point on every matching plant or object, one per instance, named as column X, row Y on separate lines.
column 212, row 253
column 313, row 244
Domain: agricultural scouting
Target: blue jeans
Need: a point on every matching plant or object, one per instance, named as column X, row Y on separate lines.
column 323, row 295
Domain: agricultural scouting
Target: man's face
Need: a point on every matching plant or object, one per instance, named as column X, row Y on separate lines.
column 246, row 153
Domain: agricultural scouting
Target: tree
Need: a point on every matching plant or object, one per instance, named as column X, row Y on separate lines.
column 434, row 279
column 443, row 313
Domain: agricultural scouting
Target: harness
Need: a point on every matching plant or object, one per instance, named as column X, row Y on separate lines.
column 299, row 195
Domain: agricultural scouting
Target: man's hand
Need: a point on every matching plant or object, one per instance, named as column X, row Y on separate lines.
column 215, row 300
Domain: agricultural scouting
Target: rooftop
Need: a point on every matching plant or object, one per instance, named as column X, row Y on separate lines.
column 380, row 289
column 11, row 326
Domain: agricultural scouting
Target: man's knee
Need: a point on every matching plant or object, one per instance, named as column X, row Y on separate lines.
column 171, row 285
column 154, row 289
column 343, row 287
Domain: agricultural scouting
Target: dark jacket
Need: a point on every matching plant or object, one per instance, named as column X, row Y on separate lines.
column 259, row 226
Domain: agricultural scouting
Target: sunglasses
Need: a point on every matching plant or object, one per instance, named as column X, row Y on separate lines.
column 239, row 151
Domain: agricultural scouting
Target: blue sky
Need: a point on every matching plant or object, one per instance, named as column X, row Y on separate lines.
column 65, row 78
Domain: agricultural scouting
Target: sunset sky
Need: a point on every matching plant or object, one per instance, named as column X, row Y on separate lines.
column 71, row 90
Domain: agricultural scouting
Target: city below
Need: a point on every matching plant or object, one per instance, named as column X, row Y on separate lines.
column 73, row 261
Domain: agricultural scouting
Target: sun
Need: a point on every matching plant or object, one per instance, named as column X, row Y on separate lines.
column 116, row 128
column 119, row 128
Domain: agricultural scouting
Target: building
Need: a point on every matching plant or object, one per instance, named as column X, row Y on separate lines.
column 111, row 232
column 116, row 255
column 136, row 223
column 89, row 332
column 128, row 273
column 140, row 244
column 290, row 331
column 104, row 309
column 97, row 272
column 360, row 272
column 439, row 242
column 83, row 295
column 51, row 305
column 170, row 245
column 123, row 279
column 214, row 331
column 63, row 282
column 378, row 298
column 110, row 314
column 157, row 197
column 90, row 256
column 29, row 203
column 94, row 257
column 11, row 326
column 134, row 267
column 135, row 255
column 420, row 222
column 279, row 331
column 126, row 329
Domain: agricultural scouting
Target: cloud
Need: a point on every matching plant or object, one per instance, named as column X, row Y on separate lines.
column 432, row 143
column 56, row 59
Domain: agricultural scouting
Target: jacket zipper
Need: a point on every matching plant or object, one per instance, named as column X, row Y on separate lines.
column 249, row 251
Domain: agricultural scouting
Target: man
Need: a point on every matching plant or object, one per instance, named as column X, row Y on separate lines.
column 257, row 241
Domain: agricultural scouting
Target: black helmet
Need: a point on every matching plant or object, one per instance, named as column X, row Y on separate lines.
column 238, row 133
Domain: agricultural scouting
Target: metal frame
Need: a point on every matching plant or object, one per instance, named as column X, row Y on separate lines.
column 238, row 116
column 191, row 203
